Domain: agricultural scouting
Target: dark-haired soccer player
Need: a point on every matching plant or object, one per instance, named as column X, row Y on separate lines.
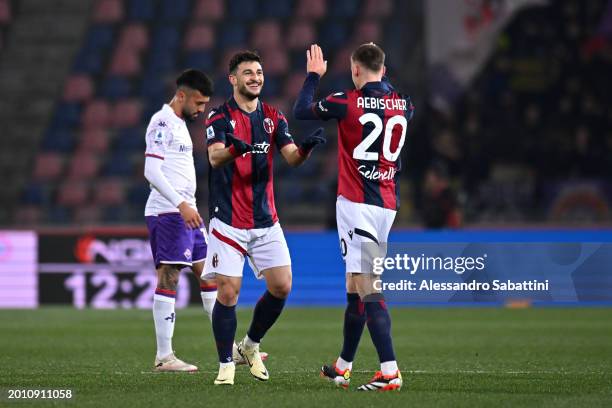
column 242, row 135
column 372, row 121
column 177, row 234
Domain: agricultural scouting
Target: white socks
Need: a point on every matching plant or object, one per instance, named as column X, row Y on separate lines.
column 208, row 302
column 389, row 367
column 164, row 317
column 342, row 365
column 249, row 343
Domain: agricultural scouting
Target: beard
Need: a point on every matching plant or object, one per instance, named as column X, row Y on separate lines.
column 244, row 91
column 190, row 117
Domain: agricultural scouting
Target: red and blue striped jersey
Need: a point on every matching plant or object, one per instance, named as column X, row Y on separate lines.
column 241, row 193
column 372, row 124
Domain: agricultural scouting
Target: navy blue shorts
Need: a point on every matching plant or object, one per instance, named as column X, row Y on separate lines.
column 173, row 242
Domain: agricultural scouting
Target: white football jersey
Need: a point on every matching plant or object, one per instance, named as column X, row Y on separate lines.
column 168, row 139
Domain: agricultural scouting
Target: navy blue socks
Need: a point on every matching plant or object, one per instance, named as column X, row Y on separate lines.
column 224, row 328
column 266, row 312
column 354, row 322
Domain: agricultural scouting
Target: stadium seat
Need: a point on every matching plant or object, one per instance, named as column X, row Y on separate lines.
column 35, row 194
column 243, row 9
column 96, row 114
column 78, row 88
column 48, row 166
column 377, row 8
column 108, row 11
column 119, row 164
column 272, row 85
column 161, row 61
column 109, row 192
column 343, row 9
column 83, row 166
column 5, row 12
column 366, row 31
column 125, row 62
column 311, row 9
column 199, row 37
column 88, row 62
column 138, row 193
column 88, row 214
column 209, row 10
column 67, row 114
column 134, row 37
column 293, row 85
column 30, row 215
column 141, row 10
column 115, row 87
column 341, row 61
column 175, row 10
column 278, row 9
column 275, row 61
column 231, row 35
column 166, row 37
column 130, row 140
column 72, row 193
column 265, row 35
column 94, row 140
column 202, row 60
column 333, row 35
column 58, row 139
column 300, row 35
column 126, row 113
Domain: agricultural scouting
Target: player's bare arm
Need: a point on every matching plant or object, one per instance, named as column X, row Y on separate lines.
column 220, row 155
column 295, row 155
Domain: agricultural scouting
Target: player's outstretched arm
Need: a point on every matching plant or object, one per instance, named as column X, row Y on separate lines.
column 219, row 155
column 316, row 67
column 295, row 155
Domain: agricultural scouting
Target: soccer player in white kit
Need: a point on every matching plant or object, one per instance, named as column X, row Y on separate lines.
column 176, row 230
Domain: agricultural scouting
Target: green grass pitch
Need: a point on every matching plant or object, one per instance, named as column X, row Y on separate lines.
column 468, row 357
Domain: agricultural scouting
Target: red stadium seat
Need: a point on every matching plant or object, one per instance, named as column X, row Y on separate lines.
column 367, row 31
column 109, row 192
column 301, row 35
column 78, row 88
column 88, row 214
column 84, row 165
column 276, row 61
column 134, row 37
column 378, row 8
column 209, row 10
column 200, row 37
column 313, row 9
column 293, row 85
column 341, row 61
column 108, row 11
column 125, row 62
column 126, row 113
column 93, row 140
column 5, row 12
column 96, row 114
column 48, row 166
column 266, row 35
column 28, row 216
column 73, row 193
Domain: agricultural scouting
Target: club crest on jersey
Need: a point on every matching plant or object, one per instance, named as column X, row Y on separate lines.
column 268, row 125
column 187, row 253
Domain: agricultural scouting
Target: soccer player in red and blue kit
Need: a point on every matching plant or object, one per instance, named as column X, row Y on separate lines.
column 242, row 135
column 372, row 121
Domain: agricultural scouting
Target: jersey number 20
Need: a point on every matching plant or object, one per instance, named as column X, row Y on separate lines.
column 361, row 151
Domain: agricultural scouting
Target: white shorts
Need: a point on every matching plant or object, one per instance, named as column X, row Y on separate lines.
column 228, row 246
column 359, row 224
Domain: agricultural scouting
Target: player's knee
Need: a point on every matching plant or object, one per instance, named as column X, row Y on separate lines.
column 282, row 289
column 227, row 293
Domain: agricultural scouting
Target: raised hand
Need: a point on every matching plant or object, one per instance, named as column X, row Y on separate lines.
column 314, row 60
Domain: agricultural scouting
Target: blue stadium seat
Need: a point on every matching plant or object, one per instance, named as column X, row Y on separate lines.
column 115, row 87
column 272, row 86
column 88, row 62
column 333, row 35
column 58, row 215
column 161, row 61
column 35, row 194
column 59, row 140
column 166, row 37
column 243, row 9
column 130, row 140
column 119, row 164
column 115, row 214
column 202, row 60
column 138, row 193
column 153, row 87
column 141, row 10
column 99, row 36
column 232, row 35
column 175, row 10
column 67, row 114
column 277, row 9
column 343, row 8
